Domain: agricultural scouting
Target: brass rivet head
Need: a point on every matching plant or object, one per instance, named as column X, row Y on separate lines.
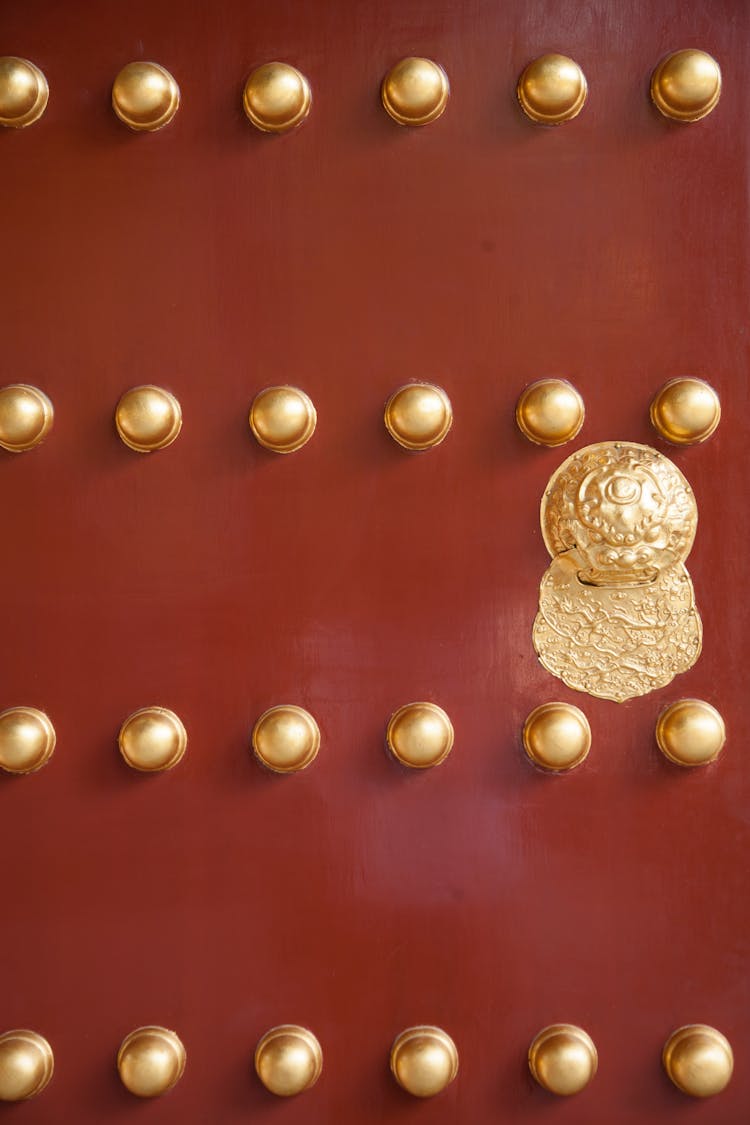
column 685, row 411
column 152, row 739
column 26, row 1065
column 557, row 736
column 699, row 1060
column 277, row 97
column 27, row 740
column 552, row 89
column 286, row 738
column 288, row 1060
column 418, row 415
column 424, row 1060
column 23, row 92
column 415, row 91
column 690, row 732
column 26, row 416
column 550, row 412
column 145, row 96
column 420, row 735
column 563, row 1059
column 282, row 419
column 151, row 1060
column 686, row 85
column 148, row 418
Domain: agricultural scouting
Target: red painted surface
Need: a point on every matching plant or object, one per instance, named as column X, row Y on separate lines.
column 216, row 579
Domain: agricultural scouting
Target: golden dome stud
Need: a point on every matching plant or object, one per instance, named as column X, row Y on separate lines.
column 26, row 417
column 685, row 411
column 424, row 1060
column 152, row 739
column 26, row 1065
column 145, row 96
column 27, row 740
column 563, row 1059
column 686, row 85
column 557, row 736
column 150, row 1061
column 288, row 1060
column 286, row 738
column 550, row 412
column 148, row 418
column 420, row 735
column 282, row 419
column 277, row 97
column 552, row 89
column 690, row 732
column 699, row 1060
column 23, row 92
column 415, row 91
column 418, row 415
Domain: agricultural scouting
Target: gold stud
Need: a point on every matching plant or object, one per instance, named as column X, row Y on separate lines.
column 699, row 1060
column 424, row 1060
column 23, row 92
column 418, row 415
column 26, row 1065
column 690, row 732
column 563, row 1059
column 151, row 1060
column 557, row 736
column 145, row 96
column 686, row 411
column 420, row 735
column 148, row 418
column 27, row 739
column 152, row 739
column 286, row 738
column 552, row 89
column 282, row 419
column 415, row 91
column 277, row 97
column 288, row 1060
column 26, row 416
column 550, row 412
column 686, row 85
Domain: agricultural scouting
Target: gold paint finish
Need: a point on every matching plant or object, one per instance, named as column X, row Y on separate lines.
column 424, row 1060
column 415, row 91
column 557, row 736
column 552, row 89
column 26, row 1065
column 148, row 418
column 690, row 732
column 288, row 1060
column 686, row 411
column 550, row 412
column 151, row 1060
column 152, row 739
column 26, row 416
column 23, row 92
column 286, row 738
column 277, row 97
column 145, row 96
column 686, row 85
column 420, row 735
column 27, row 740
column 418, row 415
column 563, row 1059
column 699, row 1060
column 283, row 419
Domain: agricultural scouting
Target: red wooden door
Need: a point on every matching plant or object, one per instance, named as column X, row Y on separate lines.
column 358, row 898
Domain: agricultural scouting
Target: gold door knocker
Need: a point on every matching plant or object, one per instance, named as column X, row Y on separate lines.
column 617, row 615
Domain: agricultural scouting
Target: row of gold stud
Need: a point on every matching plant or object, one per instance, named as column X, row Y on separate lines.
column 685, row 86
column 556, row 737
column 418, row 415
column 288, row 1060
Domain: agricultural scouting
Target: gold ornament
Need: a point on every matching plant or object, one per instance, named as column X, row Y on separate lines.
column 690, row 732
column 26, row 1065
column 418, row 416
column 424, row 1060
column 152, row 739
column 26, row 416
column 151, row 1060
column 563, row 1059
column 415, row 91
column 420, row 735
column 550, row 412
column 286, row 738
column 148, row 418
column 686, row 85
column 145, row 96
column 288, row 1060
column 23, row 92
column 699, row 1060
column 557, row 736
column 552, row 89
column 27, row 740
column 277, row 97
column 686, row 411
column 282, row 419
